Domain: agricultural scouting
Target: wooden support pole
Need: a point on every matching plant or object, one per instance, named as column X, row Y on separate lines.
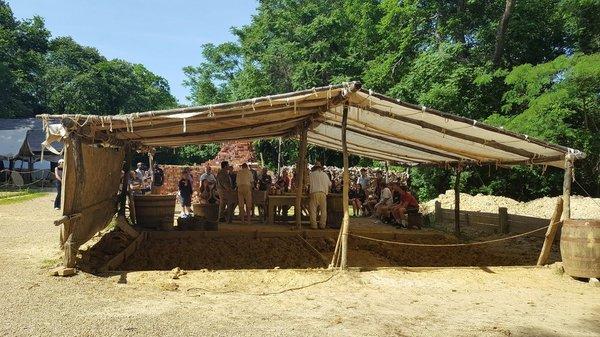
column 151, row 168
column 125, row 186
column 345, row 191
column 503, row 219
column 300, row 168
column 551, row 232
column 568, row 178
column 457, row 201
column 439, row 213
column 279, row 158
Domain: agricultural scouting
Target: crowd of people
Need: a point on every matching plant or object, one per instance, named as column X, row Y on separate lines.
column 371, row 194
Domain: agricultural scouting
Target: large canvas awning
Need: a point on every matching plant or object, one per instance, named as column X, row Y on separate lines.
column 378, row 127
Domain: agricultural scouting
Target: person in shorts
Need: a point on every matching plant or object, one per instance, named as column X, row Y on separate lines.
column 185, row 193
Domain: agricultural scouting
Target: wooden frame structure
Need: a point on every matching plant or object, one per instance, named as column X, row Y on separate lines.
column 342, row 117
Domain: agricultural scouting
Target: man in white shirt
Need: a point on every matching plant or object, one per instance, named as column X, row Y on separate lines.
column 208, row 175
column 319, row 187
column 245, row 181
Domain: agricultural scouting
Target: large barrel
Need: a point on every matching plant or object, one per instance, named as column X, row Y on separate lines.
column 154, row 211
column 210, row 213
column 580, row 248
column 335, row 210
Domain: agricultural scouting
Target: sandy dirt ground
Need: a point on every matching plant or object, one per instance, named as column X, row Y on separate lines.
column 495, row 301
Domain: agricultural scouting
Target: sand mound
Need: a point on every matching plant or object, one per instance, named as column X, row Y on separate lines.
column 581, row 207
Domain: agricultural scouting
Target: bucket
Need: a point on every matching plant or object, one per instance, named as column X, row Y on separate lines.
column 580, row 248
column 154, row 211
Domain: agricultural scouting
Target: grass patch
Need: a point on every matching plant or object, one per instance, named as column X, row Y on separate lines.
column 11, row 197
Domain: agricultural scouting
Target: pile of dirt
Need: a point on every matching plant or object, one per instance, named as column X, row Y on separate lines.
column 223, row 253
column 293, row 252
column 581, row 207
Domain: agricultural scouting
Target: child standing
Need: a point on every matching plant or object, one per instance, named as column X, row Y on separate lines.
column 185, row 193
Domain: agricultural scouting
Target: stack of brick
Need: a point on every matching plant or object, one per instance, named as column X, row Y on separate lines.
column 236, row 153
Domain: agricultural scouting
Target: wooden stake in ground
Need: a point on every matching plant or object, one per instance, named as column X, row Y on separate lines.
column 551, row 232
column 568, row 178
column 345, row 191
column 457, row 201
column 300, row 168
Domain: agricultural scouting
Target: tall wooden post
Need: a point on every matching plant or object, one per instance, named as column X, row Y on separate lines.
column 151, row 168
column 345, row 191
column 300, row 168
column 279, row 158
column 568, row 178
column 457, row 201
column 125, row 186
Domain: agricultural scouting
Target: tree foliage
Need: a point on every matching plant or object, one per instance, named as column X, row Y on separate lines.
column 436, row 53
column 43, row 75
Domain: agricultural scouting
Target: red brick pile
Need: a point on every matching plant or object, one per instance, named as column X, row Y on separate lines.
column 236, row 153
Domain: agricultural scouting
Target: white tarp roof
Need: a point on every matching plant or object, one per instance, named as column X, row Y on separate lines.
column 379, row 127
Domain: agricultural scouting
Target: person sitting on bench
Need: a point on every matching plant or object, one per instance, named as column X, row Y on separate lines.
column 408, row 203
column 385, row 202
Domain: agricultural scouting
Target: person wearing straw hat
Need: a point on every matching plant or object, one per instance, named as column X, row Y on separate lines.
column 58, row 173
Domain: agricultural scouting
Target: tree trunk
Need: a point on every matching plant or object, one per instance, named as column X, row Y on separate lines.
column 501, row 33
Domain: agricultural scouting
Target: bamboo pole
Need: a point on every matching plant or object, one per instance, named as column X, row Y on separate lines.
column 457, row 201
column 568, row 178
column 300, row 176
column 551, row 232
column 345, row 191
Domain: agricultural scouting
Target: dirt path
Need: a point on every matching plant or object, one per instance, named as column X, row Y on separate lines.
column 444, row 302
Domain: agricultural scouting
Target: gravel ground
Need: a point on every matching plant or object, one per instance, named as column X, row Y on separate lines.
column 581, row 207
column 495, row 301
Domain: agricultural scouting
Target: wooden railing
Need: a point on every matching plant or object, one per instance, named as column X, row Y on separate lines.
column 500, row 222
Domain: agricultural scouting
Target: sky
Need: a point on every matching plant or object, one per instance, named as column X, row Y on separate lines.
column 164, row 36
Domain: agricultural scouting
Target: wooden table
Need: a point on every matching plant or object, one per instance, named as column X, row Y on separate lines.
column 282, row 200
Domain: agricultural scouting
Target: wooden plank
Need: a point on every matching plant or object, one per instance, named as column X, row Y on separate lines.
column 118, row 259
column 551, row 232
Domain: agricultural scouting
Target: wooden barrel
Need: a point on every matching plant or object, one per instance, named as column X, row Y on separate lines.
column 580, row 248
column 210, row 214
column 208, row 211
column 154, row 211
column 335, row 210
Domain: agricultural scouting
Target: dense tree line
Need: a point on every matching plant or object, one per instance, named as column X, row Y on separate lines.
column 529, row 65
column 39, row 74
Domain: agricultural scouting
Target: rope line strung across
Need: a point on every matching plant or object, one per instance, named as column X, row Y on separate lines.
column 449, row 244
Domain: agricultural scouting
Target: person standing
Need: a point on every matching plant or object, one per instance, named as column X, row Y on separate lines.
column 245, row 181
column 363, row 179
column 208, row 175
column 140, row 173
column 158, row 178
column 265, row 181
column 185, row 192
column 319, row 187
column 58, row 173
column 224, row 186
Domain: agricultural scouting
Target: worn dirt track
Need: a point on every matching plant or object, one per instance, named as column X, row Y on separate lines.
column 495, row 301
